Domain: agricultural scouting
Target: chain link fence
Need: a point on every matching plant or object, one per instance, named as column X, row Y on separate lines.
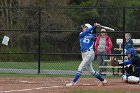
column 46, row 40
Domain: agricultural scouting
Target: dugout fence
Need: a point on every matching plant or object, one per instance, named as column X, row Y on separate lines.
column 44, row 40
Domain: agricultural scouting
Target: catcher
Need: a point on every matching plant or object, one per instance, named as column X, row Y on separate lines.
column 132, row 69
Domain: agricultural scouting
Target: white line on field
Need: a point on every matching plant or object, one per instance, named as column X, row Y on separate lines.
column 39, row 88
column 29, row 81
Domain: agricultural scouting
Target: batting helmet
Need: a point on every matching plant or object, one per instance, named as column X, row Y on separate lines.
column 86, row 25
column 131, row 51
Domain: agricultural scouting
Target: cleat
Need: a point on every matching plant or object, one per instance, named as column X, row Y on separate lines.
column 103, row 83
column 70, row 84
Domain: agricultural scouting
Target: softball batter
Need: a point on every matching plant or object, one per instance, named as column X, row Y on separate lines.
column 86, row 47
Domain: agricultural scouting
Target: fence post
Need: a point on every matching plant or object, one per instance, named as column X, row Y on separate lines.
column 123, row 33
column 39, row 38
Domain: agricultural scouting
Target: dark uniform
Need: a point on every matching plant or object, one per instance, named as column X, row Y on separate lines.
column 134, row 61
column 134, row 68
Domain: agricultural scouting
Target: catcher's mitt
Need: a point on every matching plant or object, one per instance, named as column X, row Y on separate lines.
column 114, row 61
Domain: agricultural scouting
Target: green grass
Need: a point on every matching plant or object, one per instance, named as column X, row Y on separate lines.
column 63, row 65
column 101, row 91
column 19, row 65
column 31, row 75
column 43, row 75
column 49, row 65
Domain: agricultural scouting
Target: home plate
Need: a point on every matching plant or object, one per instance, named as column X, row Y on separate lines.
column 24, row 81
column 86, row 84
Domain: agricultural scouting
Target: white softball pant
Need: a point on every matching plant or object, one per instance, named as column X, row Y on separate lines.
column 87, row 58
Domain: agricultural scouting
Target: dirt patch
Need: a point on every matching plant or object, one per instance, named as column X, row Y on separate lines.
column 57, row 85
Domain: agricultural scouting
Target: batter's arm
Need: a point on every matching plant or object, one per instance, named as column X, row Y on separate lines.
column 82, row 34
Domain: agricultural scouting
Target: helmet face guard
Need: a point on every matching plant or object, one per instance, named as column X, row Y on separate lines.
column 131, row 51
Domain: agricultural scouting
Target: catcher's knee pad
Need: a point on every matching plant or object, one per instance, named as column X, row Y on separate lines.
column 124, row 77
column 133, row 79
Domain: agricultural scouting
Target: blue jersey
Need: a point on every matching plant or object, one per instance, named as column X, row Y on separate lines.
column 128, row 44
column 86, row 39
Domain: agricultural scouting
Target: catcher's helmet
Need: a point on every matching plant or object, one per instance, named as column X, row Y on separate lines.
column 131, row 51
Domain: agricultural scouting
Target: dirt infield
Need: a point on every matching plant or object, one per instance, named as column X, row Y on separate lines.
column 57, row 85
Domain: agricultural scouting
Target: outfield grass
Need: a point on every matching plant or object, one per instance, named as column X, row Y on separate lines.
column 32, row 75
column 46, row 75
column 101, row 91
column 55, row 65
column 49, row 65
column 64, row 65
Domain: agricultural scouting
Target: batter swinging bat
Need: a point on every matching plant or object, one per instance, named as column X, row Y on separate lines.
column 105, row 27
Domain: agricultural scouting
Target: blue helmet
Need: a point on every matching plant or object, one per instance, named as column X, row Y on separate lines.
column 131, row 51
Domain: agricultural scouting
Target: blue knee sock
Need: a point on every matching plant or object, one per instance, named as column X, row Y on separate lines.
column 78, row 74
column 98, row 76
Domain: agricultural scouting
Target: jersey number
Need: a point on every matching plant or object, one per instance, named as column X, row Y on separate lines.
column 86, row 40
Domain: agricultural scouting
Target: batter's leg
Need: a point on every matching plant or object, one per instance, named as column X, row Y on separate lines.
column 80, row 68
column 89, row 67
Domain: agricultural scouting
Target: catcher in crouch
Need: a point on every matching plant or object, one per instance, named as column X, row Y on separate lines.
column 132, row 72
